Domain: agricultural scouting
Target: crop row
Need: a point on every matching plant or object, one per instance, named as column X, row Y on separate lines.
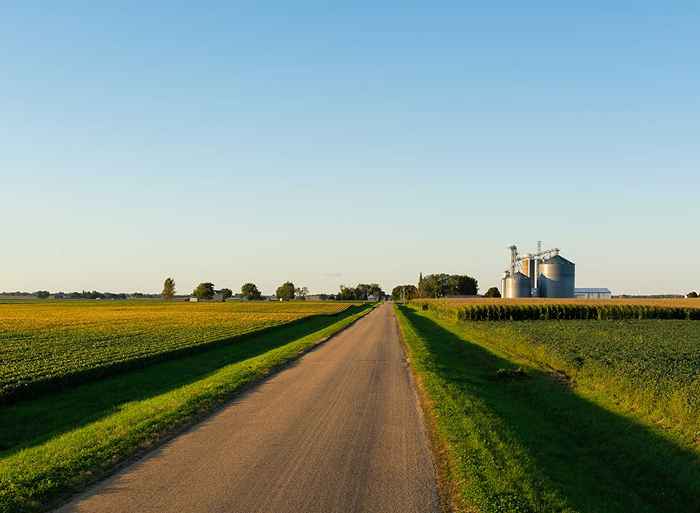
column 49, row 344
column 554, row 311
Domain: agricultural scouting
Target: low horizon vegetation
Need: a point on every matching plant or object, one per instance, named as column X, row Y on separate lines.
column 557, row 310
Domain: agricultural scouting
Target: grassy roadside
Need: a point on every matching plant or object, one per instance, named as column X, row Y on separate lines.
column 36, row 477
column 529, row 443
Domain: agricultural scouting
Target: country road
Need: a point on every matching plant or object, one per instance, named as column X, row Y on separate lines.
column 338, row 431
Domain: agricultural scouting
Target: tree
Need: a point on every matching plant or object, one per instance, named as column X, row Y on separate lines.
column 346, row 293
column 168, row 289
column 404, row 292
column 250, row 291
column 226, row 293
column 493, row 292
column 42, row 294
column 204, row 291
column 441, row 285
column 693, row 295
column 286, row 291
column 301, row 292
column 364, row 290
column 462, row 285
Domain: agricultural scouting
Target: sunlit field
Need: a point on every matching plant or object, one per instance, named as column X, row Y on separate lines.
column 671, row 302
column 57, row 341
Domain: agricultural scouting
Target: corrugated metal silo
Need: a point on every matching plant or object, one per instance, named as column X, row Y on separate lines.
column 517, row 286
column 557, row 277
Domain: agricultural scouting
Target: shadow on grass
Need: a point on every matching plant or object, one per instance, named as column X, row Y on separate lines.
column 597, row 460
column 31, row 422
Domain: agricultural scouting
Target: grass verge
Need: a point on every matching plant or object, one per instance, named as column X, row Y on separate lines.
column 517, row 440
column 38, row 476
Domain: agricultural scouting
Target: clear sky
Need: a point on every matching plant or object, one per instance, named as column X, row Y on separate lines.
column 331, row 143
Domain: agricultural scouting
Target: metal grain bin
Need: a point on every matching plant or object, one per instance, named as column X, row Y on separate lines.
column 517, row 286
column 556, row 277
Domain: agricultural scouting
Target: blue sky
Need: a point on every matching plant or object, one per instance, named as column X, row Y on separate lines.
column 333, row 144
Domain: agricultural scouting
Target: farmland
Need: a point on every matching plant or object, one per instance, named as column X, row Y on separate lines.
column 55, row 444
column 562, row 415
column 46, row 343
column 659, row 302
column 538, row 309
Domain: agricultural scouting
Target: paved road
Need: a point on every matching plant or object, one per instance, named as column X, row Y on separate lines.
column 339, row 431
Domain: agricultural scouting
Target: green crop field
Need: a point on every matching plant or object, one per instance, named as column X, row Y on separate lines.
column 46, row 343
column 649, row 365
column 553, row 415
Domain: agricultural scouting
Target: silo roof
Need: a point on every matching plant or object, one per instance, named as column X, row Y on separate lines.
column 558, row 259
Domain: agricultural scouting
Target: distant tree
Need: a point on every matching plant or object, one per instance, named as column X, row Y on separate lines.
column 42, row 294
column 204, row 291
column 404, row 292
column 462, row 285
column 364, row 290
column 493, row 292
column 168, row 289
column 301, row 292
column 434, row 285
column 285, row 291
column 693, row 295
column 250, row 291
column 441, row 285
column 226, row 293
column 346, row 293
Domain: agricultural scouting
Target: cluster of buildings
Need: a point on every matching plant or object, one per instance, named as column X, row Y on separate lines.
column 544, row 274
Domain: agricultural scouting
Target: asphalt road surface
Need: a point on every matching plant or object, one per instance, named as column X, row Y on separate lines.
column 339, row 431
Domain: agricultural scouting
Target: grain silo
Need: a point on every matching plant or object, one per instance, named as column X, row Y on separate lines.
column 556, row 277
column 516, row 285
column 540, row 274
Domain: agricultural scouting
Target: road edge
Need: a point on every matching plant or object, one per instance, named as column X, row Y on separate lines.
column 448, row 491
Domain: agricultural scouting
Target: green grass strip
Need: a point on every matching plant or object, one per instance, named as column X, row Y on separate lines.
column 35, row 478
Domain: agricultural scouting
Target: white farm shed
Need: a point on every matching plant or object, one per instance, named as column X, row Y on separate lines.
column 593, row 293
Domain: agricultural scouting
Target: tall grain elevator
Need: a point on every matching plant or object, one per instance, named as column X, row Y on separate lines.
column 542, row 274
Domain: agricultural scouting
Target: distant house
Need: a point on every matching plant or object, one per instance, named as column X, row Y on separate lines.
column 317, row 297
column 594, row 293
column 372, row 297
column 217, row 297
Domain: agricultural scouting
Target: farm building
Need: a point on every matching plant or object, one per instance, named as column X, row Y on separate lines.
column 593, row 293
column 218, row 297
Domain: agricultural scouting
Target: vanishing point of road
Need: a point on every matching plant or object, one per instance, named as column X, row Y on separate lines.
column 339, row 431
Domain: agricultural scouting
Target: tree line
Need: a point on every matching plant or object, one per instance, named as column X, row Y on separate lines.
column 436, row 286
column 285, row 292
column 441, row 285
